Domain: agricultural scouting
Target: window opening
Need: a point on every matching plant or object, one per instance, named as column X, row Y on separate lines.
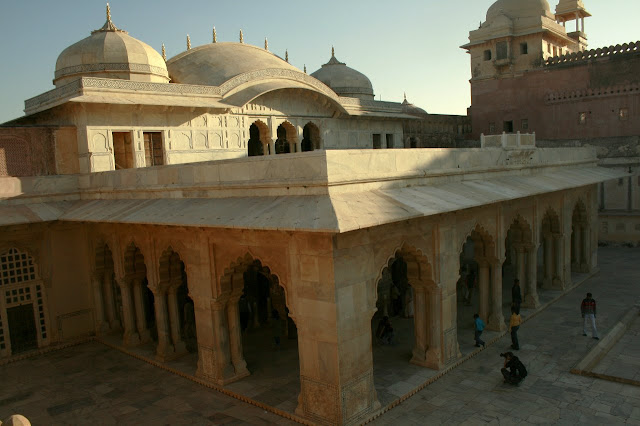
column 524, row 48
column 487, row 55
column 508, row 126
column 377, row 141
column 122, row 150
column 389, row 141
column 153, row 152
column 501, row 50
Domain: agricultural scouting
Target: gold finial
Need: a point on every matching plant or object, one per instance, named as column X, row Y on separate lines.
column 266, row 44
column 241, row 37
column 215, row 35
column 108, row 13
column 188, row 42
column 405, row 96
column 164, row 53
column 333, row 52
column 286, row 55
column 305, row 68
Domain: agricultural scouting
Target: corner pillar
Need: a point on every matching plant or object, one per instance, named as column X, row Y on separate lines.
column 531, row 299
column 558, row 279
column 496, row 318
column 235, row 338
column 109, row 303
column 102, row 325
column 547, row 283
column 131, row 336
column 174, row 319
column 483, row 284
column 164, row 350
column 141, row 321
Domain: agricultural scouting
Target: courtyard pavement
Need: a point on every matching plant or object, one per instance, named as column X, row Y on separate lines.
column 92, row 383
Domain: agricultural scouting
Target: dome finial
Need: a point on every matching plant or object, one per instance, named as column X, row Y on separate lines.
column 108, row 13
column 305, row 68
column 405, row 96
column 215, row 35
column 266, row 44
column 286, row 55
column 241, row 37
column 188, row 42
column 108, row 26
column 333, row 52
column 164, row 53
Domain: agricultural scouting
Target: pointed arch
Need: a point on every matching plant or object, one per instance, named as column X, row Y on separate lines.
column 311, row 139
column 286, row 138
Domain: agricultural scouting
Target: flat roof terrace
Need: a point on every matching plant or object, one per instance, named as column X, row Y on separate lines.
column 322, row 191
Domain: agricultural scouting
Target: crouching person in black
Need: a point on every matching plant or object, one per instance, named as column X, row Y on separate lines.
column 514, row 371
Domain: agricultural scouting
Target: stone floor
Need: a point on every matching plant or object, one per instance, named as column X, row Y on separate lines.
column 93, row 383
column 623, row 360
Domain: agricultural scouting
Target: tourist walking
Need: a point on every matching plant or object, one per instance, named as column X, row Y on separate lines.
column 588, row 310
column 514, row 326
column 479, row 328
column 516, row 295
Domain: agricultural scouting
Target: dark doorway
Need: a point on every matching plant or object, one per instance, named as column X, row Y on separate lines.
column 508, row 126
column 22, row 328
column 255, row 147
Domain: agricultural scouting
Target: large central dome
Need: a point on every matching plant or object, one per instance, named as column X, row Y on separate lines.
column 215, row 63
column 520, row 9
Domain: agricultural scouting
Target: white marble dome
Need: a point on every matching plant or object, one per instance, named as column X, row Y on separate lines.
column 343, row 80
column 216, row 63
column 110, row 53
column 520, row 9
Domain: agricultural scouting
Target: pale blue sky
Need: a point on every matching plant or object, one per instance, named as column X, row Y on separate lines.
column 403, row 45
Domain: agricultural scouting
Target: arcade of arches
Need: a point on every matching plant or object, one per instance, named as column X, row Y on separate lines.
column 251, row 306
column 287, row 139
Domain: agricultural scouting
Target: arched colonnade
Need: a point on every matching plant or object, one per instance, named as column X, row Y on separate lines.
column 285, row 138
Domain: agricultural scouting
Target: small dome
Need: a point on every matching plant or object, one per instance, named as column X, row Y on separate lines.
column 520, row 9
column 215, row 63
column 411, row 109
column 343, row 80
column 110, row 53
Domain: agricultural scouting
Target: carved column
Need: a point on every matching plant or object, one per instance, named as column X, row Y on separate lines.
column 577, row 247
column 235, row 338
column 420, row 319
column 558, row 279
column 131, row 336
column 483, row 281
column 521, row 268
column 531, row 299
column 102, row 326
column 548, row 261
column 165, row 350
column 225, row 373
column 109, row 303
column 174, row 320
column 434, row 326
column 141, row 321
column 496, row 318
column 585, row 260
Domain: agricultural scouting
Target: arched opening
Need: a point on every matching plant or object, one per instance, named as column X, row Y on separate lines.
column 174, row 310
column 137, row 300
column 268, row 341
column 551, row 259
column 22, row 305
column 479, row 288
column 406, row 325
column 286, row 134
column 520, row 264
column 108, row 301
column 310, row 137
column 580, row 239
column 254, row 146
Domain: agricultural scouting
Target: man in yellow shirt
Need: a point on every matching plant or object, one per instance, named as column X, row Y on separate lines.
column 514, row 325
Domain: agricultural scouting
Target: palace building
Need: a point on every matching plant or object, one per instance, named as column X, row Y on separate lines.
column 187, row 210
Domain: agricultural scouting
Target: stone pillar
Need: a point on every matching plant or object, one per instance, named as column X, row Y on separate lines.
column 548, row 261
column 109, row 303
column 102, row 325
column 141, row 321
column 585, row 260
column 131, row 336
column 577, row 247
column 225, row 373
column 235, row 338
column 531, row 299
column 558, row 279
column 174, row 320
column 496, row 317
column 483, row 284
column 272, row 148
column 165, row 350
column 421, row 323
column 434, row 326
column 520, row 272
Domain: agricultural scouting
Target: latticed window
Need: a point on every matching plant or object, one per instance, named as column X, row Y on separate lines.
column 16, row 267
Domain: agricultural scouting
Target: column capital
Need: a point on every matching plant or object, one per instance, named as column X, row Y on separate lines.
column 220, row 303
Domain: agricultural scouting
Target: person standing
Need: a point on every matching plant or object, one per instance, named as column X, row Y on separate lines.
column 516, row 295
column 588, row 309
column 479, row 328
column 514, row 326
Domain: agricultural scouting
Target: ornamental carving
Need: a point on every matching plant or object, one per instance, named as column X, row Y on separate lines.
column 137, row 68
